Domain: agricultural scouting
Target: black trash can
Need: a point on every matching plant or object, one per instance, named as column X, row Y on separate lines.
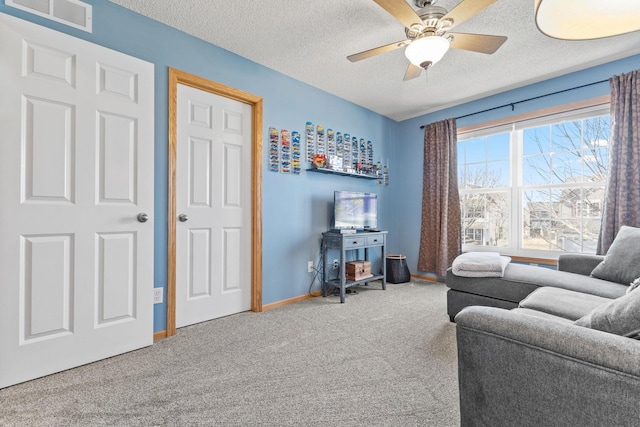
column 397, row 269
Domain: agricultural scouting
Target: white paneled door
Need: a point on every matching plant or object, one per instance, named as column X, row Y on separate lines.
column 76, row 172
column 213, row 204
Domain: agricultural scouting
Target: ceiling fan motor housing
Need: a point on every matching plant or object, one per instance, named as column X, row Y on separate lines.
column 423, row 3
column 432, row 22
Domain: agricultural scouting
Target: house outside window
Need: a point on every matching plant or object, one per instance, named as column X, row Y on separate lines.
column 535, row 188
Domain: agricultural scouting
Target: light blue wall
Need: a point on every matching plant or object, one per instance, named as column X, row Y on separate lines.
column 408, row 197
column 296, row 209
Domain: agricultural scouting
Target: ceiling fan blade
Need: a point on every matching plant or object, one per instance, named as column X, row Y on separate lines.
column 482, row 43
column 376, row 51
column 413, row 71
column 401, row 10
column 465, row 10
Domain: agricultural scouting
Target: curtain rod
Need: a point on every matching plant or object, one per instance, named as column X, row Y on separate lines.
column 513, row 104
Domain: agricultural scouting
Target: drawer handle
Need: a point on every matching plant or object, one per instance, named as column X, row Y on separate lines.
column 355, row 242
column 375, row 240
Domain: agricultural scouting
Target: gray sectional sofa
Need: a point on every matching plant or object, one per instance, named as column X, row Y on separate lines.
column 568, row 354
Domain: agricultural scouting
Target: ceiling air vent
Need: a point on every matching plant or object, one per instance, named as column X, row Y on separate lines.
column 74, row 13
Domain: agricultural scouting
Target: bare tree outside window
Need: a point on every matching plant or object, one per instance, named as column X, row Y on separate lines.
column 485, row 214
column 564, row 172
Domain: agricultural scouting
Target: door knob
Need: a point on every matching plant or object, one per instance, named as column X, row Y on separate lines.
column 183, row 218
column 143, row 217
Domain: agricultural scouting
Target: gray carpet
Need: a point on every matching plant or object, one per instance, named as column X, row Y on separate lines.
column 384, row 358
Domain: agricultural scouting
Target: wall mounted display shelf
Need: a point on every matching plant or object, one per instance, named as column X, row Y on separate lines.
column 339, row 172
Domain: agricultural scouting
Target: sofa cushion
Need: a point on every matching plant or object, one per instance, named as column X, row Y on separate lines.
column 562, row 302
column 620, row 316
column 621, row 264
column 541, row 315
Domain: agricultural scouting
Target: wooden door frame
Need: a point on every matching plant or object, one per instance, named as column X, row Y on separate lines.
column 180, row 77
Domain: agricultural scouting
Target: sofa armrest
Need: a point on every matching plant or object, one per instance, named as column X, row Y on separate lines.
column 516, row 369
column 579, row 263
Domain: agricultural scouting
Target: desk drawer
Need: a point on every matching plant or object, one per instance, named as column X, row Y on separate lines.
column 354, row 242
column 375, row 240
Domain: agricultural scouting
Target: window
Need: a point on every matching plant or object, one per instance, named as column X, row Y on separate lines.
column 535, row 187
column 484, row 180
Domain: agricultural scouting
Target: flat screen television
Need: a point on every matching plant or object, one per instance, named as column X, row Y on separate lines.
column 355, row 210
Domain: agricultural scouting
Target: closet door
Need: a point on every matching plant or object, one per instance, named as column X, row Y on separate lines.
column 213, row 237
column 76, row 202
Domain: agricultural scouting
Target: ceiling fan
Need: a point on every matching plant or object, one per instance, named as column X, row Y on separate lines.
column 428, row 36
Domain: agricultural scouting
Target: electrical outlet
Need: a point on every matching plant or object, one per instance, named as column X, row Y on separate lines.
column 336, row 264
column 157, row 295
column 309, row 266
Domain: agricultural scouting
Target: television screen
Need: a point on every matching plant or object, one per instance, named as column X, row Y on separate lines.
column 355, row 210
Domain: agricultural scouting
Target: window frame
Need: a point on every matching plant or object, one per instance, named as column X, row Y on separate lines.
column 515, row 126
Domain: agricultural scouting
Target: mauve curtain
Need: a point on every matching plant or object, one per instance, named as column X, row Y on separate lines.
column 622, row 197
column 440, row 237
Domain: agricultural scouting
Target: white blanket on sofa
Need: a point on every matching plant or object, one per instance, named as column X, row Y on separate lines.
column 480, row 264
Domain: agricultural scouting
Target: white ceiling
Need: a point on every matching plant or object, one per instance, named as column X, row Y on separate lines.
column 310, row 40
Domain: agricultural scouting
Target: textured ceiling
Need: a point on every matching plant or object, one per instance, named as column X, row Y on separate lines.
column 310, row 40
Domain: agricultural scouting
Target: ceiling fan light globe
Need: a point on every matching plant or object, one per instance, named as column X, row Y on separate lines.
column 429, row 49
